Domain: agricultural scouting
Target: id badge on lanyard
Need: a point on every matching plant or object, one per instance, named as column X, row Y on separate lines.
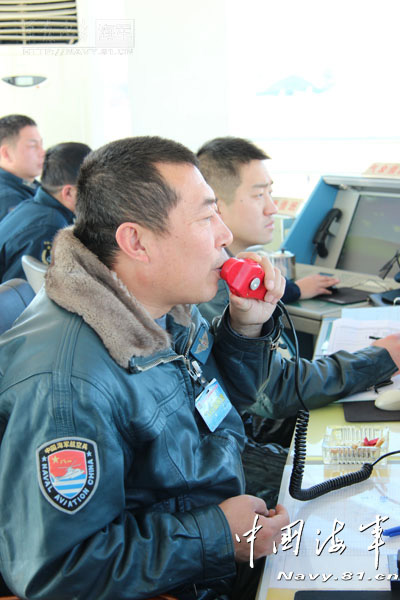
column 213, row 404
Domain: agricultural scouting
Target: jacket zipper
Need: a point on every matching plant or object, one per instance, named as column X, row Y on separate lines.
column 165, row 360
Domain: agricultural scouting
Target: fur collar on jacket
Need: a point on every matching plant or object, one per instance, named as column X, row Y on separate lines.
column 77, row 281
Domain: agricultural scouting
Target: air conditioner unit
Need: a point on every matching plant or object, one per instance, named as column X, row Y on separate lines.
column 38, row 22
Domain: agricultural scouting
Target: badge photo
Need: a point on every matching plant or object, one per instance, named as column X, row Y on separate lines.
column 68, row 472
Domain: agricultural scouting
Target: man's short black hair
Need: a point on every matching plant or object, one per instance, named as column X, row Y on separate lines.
column 220, row 160
column 119, row 183
column 11, row 125
column 229, row 152
column 61, row 165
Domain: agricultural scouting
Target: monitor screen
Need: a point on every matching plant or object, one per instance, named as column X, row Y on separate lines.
column 373, row 236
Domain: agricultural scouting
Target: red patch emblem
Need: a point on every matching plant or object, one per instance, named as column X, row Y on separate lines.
column 68, row 471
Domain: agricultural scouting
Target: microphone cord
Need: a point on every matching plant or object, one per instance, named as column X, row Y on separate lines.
column 299, row 455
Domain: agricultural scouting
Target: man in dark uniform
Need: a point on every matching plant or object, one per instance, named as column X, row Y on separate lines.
column 145, row 477
column 235, row 169
column 21, row 160
column 31, row 226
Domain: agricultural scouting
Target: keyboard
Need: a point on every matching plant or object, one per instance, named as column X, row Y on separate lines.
column 361, row 281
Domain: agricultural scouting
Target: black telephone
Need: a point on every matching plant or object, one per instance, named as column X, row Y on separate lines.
column 319, row 239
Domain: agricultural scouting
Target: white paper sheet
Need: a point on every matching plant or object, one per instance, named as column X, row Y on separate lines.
column 354, row 506
column 353, row 335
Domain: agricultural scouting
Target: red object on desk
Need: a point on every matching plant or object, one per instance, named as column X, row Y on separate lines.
column 245, row 278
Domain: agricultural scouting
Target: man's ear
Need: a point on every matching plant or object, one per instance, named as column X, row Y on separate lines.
column 132, row 240
column 5, row 154
column 68, row 196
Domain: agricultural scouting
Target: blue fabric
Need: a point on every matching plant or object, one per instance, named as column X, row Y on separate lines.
column 321, row 381
column 153, row 523
column 30, row 229
column 292, row 292
column 15, row 296
column 14, row 190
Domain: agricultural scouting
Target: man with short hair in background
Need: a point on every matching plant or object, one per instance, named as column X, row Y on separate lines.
column 21, row 160
column 235, row 169
column 30, row 227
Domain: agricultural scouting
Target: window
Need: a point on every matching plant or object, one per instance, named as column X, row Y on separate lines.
column 315, row 85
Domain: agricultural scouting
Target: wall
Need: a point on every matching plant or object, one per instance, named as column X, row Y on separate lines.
column 178, row 81
column 58, row 105
column 171, row 83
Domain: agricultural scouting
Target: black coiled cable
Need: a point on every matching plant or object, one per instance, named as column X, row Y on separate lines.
column 299, row 458
column 299, row 455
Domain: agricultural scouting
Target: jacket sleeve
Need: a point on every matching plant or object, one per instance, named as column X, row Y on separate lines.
column 260, row 380
column 320, row 381
column 103, row 550
column 291, row 293
column 244, row 362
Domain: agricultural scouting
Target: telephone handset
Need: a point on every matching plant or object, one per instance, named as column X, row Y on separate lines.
column 245, row 277
column 320, row 236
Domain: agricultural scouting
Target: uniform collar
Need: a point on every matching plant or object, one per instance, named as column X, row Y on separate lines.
column 44, row 198
column 79, row 282
column 17, row 182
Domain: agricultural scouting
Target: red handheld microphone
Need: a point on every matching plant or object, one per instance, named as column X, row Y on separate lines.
column 245, row 277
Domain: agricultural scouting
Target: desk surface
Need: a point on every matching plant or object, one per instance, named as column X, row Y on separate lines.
column 354, row 506
column 307, row 314
column 333, row 415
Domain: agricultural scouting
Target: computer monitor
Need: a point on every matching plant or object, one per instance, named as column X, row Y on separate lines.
column 373, row 236
column 358, row 220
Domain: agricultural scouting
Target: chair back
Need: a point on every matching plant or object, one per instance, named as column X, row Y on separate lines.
column 34, row 271
column 15, row 295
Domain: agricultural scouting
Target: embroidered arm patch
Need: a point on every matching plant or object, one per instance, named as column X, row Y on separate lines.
column 68, row 472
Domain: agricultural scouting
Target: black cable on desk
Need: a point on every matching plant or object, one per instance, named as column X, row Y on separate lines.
column 299, row 456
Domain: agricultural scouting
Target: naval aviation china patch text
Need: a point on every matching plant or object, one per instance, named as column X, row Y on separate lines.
column 68, row 470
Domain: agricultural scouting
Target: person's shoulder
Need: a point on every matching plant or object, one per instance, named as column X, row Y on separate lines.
column 17, row 219
column 48, row 340
column 49, row 210
column 39, row 215
column 11, row 195
column 11, row 184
